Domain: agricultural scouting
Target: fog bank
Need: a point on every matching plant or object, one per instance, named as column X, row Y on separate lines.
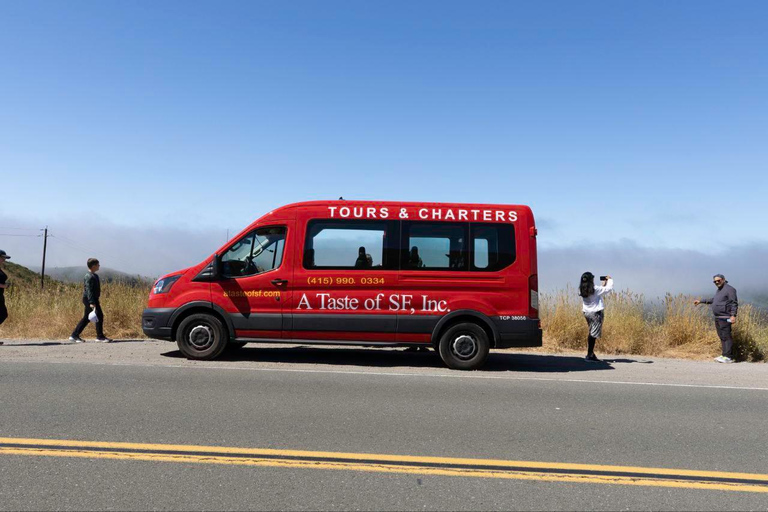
column 656, row 271
column 155, row 250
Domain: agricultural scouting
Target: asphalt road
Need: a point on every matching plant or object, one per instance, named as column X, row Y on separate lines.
column 526, row 408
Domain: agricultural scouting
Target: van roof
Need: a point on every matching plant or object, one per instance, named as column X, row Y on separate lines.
column 345, row 202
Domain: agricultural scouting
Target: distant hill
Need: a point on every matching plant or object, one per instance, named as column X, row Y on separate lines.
column 22, row 275
column 760, row 301
column 75, row 275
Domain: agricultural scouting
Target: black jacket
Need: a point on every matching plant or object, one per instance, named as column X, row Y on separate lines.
column 91, row 288
column 3, row 280
column 724, row 303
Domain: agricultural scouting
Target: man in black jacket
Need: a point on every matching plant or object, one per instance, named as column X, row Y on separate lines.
column 725, row 306
column 91, row 295
column 3, row 285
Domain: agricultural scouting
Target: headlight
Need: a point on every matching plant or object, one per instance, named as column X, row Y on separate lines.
column 164, row 285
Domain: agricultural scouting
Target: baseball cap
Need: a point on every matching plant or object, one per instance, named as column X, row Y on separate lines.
column 3, row 254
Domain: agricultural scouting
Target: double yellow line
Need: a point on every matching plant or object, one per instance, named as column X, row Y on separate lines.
column 382, row 463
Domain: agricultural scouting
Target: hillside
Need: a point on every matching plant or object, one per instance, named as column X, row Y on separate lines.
column 20, row 275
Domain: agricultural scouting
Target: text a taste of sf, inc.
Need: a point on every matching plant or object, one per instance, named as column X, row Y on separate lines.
column 393, row 302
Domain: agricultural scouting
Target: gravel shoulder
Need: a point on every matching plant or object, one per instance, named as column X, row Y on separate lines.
column 502, row 364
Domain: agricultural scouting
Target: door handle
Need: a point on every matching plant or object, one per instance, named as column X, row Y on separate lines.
column 279, row 282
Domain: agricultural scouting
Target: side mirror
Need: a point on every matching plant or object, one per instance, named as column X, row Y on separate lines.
column 210, row 272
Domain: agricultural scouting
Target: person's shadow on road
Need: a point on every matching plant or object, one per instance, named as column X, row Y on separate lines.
column 378, row 358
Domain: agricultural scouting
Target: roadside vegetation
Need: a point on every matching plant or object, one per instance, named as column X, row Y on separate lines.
column 53, row 312
column 672, row 327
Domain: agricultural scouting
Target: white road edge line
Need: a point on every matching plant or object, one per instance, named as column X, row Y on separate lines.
column 399, row 374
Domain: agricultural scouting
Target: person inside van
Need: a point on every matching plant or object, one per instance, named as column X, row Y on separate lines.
column 593, row 309
column 456, row 254
column 414, row 260
column 362, row 261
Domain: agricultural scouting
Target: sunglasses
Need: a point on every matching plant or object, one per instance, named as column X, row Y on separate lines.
column 717, row 281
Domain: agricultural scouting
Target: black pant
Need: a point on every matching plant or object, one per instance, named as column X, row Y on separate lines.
column 3, row 310
column 84, row 322
column 724, row 331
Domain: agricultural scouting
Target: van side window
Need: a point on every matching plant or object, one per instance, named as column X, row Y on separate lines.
column 493, row 246
column 435, row 246
column 258, row 251
column 350, row 245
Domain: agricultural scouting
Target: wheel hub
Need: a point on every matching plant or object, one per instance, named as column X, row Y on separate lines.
column 464, row 346
column 201, row 337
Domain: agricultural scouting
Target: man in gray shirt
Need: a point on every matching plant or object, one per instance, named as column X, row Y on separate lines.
column 725, row 306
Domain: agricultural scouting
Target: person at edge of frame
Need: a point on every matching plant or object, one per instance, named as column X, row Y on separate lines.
column 593, row 308
column 725, row 306
column 91, row 296
column 3, row 285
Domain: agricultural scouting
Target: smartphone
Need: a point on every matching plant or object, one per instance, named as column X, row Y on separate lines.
column 603, row 278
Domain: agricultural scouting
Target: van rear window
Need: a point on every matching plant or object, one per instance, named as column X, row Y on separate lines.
column 493, row 246
column 443, row 246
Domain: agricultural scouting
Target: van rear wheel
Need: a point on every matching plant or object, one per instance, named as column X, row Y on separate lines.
column 201, row 336
column 464, row 346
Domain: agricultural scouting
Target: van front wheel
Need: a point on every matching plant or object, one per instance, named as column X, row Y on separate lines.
column 464, row 346
column 201, row 336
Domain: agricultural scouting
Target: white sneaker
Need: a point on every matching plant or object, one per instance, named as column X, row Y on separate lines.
column 76, row 339
column 727, row 360
column 719, row 359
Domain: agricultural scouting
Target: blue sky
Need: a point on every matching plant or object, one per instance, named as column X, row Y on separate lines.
column 636, row 122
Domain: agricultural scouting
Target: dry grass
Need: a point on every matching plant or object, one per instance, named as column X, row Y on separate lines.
column 54, row 312
column 673, row 327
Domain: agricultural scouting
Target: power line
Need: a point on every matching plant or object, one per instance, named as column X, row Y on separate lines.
column 17, row 229
column 85, row 250
column 11, row 234
column 60, row 240
column 77, row 245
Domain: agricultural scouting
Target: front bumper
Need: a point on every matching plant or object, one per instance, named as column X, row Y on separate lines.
column 518, row 332
column 156, row 323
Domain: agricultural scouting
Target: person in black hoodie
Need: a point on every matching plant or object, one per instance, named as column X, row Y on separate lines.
column 725, row 306
column 3, row 285
column 91, row 295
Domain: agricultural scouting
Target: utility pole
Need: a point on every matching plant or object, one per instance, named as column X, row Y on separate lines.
column 45, row 248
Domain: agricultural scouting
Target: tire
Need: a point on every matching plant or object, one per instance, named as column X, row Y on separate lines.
column 201, row 336
column 464, row 346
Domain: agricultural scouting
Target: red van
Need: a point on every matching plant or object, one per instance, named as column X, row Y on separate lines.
column 461, row 278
